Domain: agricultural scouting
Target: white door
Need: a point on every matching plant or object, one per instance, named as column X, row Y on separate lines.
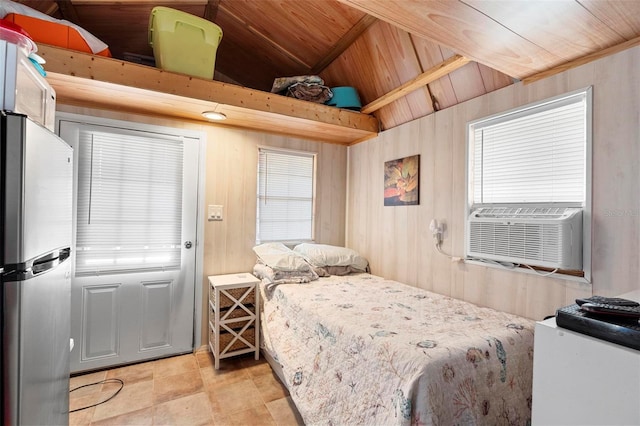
column 132, row 295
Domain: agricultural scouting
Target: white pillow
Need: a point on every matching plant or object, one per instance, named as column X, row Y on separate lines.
column 325, row 255
column 280, row 257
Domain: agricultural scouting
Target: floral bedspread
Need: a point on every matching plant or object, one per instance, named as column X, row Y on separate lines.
column 360, row 349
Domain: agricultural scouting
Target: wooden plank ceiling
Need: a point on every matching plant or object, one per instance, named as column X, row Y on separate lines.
column 406, row 58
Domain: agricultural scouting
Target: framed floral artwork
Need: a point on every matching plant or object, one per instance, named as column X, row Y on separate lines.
column 402, row 181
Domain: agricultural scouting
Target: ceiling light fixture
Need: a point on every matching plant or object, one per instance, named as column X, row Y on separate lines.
column 214, row 115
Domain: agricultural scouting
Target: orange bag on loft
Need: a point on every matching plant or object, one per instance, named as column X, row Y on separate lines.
column 52, row 33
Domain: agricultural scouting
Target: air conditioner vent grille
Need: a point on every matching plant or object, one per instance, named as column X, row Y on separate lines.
column 550, row 238
column 524, row 212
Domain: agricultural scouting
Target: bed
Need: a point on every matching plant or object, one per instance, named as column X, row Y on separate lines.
column 360, row 349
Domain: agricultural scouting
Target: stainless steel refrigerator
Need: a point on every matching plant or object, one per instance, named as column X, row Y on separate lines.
column 36, row 174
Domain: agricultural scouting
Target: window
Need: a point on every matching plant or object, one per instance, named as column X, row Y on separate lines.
column 535, row 155
column 129, row 203
column 286, row 181
column 527, row 168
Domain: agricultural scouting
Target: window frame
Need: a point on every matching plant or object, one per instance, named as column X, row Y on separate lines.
column 586, row 206
column 314, row 156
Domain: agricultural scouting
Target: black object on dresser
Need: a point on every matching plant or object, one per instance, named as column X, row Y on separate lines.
column 621, row 330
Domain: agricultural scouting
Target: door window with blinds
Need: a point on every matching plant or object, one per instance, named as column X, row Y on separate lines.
column 129, row 215
column 286, row 188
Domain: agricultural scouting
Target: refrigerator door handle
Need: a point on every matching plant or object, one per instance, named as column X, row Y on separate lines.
column 60, row 254
column 39, row 265
column 49, row 261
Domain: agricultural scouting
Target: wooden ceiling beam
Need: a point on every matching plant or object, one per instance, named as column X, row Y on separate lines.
column 421, row 80
column 584, row 60
column 53, row 8
column 68, row 11
column 211, row 10
column 343, row 44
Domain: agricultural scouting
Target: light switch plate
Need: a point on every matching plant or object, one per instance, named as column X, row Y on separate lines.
column 214, row 212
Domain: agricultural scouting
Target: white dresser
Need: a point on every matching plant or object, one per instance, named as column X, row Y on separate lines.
column 582, row 380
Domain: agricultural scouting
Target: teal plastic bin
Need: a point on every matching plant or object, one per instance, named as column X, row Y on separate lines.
column 183, row 43
column 345, row 97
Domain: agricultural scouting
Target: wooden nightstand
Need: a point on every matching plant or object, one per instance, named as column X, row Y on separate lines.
column 234, row 314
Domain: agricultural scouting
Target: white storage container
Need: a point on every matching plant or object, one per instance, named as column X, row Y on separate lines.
column 23, row 89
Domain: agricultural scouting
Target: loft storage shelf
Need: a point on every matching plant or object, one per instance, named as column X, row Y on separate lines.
column 87, row 80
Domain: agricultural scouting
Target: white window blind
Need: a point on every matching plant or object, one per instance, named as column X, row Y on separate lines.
column 129, row 211
column 536, row 155
column 285, row 196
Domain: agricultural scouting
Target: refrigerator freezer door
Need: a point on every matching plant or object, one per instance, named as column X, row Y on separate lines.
column 38, row 191
column 36, row 348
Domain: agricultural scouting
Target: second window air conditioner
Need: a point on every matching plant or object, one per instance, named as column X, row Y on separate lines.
column 548, row 237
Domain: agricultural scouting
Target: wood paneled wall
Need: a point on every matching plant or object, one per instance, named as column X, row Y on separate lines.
column 397, row 240
column 231, row 180
column 232, row 159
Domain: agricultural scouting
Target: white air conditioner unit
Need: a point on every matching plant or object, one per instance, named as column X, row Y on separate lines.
column 540, row 236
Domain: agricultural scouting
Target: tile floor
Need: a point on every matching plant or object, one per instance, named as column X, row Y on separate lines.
column 185, row 390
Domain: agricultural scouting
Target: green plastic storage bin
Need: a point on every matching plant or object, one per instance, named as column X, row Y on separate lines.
column 183, row 43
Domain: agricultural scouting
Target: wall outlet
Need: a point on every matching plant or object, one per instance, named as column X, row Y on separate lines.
column 214, row 212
